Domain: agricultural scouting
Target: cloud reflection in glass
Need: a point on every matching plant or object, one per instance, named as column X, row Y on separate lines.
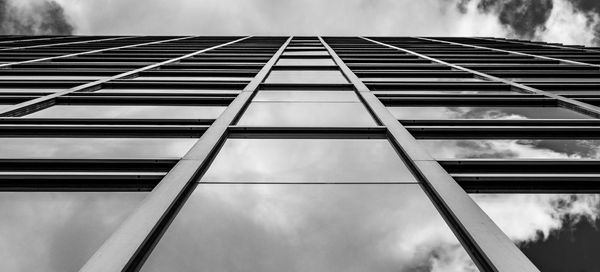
column 308, row 227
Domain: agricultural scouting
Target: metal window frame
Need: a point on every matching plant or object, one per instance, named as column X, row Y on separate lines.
column 446, row 182
column 127, row 248
column 489, row 247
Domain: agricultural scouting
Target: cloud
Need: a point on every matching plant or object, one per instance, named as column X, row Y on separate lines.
column 527, row 218
column 25, row 17
column 512, row 149
column 565, row 21
column 62, row 230
column 523, row 18
column 562, row 21
column 259, row 227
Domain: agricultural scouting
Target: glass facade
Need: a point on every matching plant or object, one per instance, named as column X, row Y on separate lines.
column 244, row 153
column 306, row 77
column 317, row 227
column 129, row 112
column 308, row 160
column 61, row 229
column 491, row 112
column 306, row 114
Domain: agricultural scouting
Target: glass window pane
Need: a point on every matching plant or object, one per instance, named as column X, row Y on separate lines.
column 308, row 160
column 292, row 47
column 554, row 79
column 572, row 92
column 558, row 232
column 31, row 90
column 129, row 111
column 306, row 96
column 432, row 92
column 306, row 76
column 65, row 77
column 491, row 112
column 308, row 227
column 194, row 78
column 305, row 61
column 306, row 53
column 165, row 91
column 54, row 148
column 306, row 114
column 512, row 149
column 401, row 79
column 58, row 231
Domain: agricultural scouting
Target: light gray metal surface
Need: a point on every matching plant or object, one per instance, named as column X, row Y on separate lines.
column 7, row 65
column 48, row 100
column 64, row 43
column 566, row 102
column 510, row 52
column 125, row 247
column 490, row 248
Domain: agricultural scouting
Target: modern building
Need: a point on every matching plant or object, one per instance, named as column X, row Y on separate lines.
column 192, row 153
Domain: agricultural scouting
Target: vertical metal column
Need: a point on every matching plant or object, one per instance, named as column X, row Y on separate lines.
column 490, row 248
column 126, row 247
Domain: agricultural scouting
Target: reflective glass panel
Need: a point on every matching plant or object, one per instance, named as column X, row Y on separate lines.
column 308, row 160
column 490, row 112
column 306, row 76
column 305, row 61
column 292, row 47
column 308, row 227
column 30, row 90
column 66, row 77
column 558, row 232
column 306, row 114
column 306, row 53
column 378, row 79
column 58, row 231
column 193, row 78
column 54, row 148
column 306, row 96
column 555, row 79
column 512, row 149
column 129, row 112
column 166, row 91
column 431, row 92
column 573, row 92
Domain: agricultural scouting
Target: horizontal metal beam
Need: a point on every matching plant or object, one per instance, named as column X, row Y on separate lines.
column 529, row 183
column 107, row 165
column 49, row 100
column 98, row 131
column 487, row 244
column 128, row 247
column 566, row 102
column 504, row 132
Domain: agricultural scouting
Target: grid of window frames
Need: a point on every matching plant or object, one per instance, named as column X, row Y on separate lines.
column 198, row 153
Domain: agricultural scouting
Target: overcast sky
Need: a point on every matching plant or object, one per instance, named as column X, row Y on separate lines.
column 566, row 21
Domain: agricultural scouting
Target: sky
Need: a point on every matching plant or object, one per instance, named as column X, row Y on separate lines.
column 564, row 21
column 529, row 220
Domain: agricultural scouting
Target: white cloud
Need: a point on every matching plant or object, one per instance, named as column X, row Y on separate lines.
column 276, row 17
column 565, row 24
column 523, row 217
column 569, row 26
